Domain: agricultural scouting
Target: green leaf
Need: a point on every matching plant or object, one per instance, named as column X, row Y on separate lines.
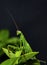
column 8, row 53
column 4, row 34
column 12, row 40
column 13, row 61
column 18, row 53
column 27, row 56
column 1, row 52
column 36, row 62
column 2, row 44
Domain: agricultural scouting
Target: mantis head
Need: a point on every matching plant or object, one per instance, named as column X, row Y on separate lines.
column 18, row 32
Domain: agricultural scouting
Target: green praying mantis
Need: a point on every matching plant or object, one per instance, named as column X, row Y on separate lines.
column 18, row 49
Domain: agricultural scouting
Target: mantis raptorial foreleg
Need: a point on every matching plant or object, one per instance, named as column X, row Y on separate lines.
column 11, row 46
column 14, row 48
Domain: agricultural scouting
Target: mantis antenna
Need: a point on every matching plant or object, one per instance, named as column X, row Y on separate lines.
column 12, row 19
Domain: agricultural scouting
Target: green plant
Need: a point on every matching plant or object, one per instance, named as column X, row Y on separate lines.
column 19, row 52
column 4, row 35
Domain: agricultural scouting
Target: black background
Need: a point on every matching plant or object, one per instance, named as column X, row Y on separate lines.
column 31, row 18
